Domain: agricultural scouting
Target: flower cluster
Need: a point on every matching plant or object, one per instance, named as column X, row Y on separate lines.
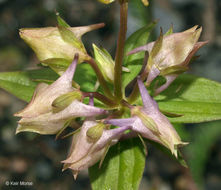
column 56, row 106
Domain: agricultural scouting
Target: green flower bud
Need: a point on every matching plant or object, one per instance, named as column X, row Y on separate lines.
column 104, row 62
column 106, row 1
column 65, row 100
column 145, row 2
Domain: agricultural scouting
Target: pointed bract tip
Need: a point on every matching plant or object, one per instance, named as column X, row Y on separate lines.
column 17, row 131
column 75, row 174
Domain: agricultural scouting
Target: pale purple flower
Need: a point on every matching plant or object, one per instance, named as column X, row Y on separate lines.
column 170, row 55
column 39, row 116
column 85, row 152
column 150, row 123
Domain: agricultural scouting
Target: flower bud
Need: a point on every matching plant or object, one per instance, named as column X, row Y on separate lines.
column 145, row 2
column 104, row 62
column 65, row 100
column 106, row 1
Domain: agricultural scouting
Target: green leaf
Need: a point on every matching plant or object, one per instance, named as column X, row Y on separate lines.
column 138, row 38
column 134, row 68
column 22, row 84
column 59, row 65
column 167, row 152
column 85, row 77
column 134, row 62
column 199, row 151
column 122, row 168
column 196, row 98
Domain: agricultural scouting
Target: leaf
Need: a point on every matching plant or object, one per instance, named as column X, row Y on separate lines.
column 134, row 68
column 85, row 77
column 21, row 84
column 122, row 168
column 134, row 62
column 196, row 98
column 167, row 152
column 199, row 151
column 138, row 38
column 59, row 65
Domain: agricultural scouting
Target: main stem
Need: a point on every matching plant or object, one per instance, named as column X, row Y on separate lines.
column 120, row 51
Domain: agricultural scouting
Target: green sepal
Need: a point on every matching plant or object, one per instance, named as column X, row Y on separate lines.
column 69, row 37
column 147, row 121
column 95, row 132
column 65, row 100
column 177, row 69
column 170, row 31
column 61, row 21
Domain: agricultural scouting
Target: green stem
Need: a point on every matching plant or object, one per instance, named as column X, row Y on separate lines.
column 100, row 77
column 120, row 50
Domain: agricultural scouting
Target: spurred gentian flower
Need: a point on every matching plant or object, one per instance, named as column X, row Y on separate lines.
column 45, row 94
column 57, row 45
column 170, row 55
column 90, row 144
column 149, row 122
column 53, row 106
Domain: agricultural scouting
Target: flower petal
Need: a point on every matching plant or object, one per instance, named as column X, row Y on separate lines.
column 45, row 94
column 149, row 103
column 169, row 80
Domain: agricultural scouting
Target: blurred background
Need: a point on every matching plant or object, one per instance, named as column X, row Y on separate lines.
column 34, row 158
